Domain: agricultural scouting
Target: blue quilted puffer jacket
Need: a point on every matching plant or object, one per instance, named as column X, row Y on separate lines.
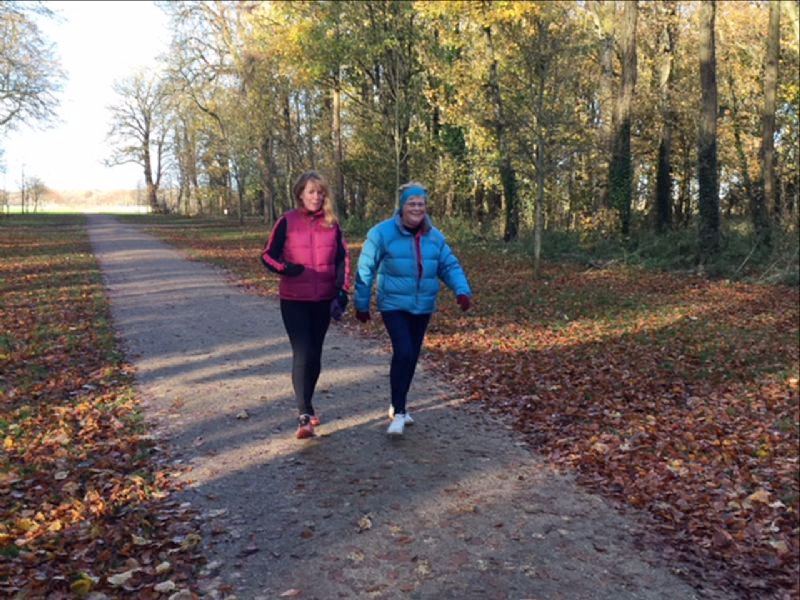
column 407, row 268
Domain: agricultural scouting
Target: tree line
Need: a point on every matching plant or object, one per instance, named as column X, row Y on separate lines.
column 597, row 115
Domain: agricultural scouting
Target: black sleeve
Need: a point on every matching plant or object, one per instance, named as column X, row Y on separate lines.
column 340, row 256
column 274, row 247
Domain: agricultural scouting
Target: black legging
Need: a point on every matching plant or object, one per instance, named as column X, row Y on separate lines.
column 306, row 323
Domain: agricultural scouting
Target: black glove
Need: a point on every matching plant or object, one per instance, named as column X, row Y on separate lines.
column 293, row 270
column 341, row 296
column 336, row 310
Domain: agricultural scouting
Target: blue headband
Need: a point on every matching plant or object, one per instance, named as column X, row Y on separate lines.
column 412, row 191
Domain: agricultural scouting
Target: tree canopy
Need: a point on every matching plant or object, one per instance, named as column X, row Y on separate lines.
column 519, row 115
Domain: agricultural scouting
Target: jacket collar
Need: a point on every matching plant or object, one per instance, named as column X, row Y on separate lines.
column 310, row 215
column 427, row 224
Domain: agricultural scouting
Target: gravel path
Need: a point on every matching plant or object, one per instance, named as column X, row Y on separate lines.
column 457, row 509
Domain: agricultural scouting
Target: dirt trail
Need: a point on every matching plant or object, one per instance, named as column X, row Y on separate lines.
column 457, row 509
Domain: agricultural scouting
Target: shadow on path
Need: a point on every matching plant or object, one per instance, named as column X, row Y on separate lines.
column 459, row 508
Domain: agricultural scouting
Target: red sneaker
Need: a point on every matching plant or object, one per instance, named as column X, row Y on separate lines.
column 314, row 420
column 305, row 431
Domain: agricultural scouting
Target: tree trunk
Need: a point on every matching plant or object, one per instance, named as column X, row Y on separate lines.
column 268, row 180
column 739, row 145
column 604, row 11
column 682, row 209
column 663, row 204
column 708, row 186
column 240, row 187
column 336, row 126
column 770, row 198
column 537, row 228
column 189, row 168
column 541, row 73
column 150, row 186
column 508, row 175
column 620, row 172
column 289, row 142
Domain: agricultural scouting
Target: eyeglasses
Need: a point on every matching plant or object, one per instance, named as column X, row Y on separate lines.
column 415, row 204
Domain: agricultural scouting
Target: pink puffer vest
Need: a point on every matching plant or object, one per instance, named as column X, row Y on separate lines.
column 309, row 242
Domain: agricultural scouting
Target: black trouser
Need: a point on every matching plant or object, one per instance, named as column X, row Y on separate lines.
column 406, row 332
column 306, row 323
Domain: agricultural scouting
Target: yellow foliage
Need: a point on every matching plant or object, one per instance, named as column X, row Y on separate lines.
column 600, row 224
column 82, row 586
column 26, row 524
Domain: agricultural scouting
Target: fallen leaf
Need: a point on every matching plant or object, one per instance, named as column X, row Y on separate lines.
column 364, row 523
column 56, row 525
column 163, row 567
column 191, row 540
column 760, row 495
column 779, row 545
column 121, row 579
column 165, row 586
column 82, row 585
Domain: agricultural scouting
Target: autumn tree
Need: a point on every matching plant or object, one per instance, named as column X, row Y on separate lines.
column 602, row 13
column 36, row 190
column 707, row 138
column 30, row 73
column 204, row 70
column 474, row 92
column 769, row 197
column 665, row 81
column 183, row 143
column 321, row 48
column 139, row 130
column 620, row 171
column 388, row 85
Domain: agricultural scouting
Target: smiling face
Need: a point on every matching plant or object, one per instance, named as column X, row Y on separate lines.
column 312, row 196
column 413, row 212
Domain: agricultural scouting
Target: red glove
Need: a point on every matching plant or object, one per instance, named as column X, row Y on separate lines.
column 362, row 316
column 463, row 302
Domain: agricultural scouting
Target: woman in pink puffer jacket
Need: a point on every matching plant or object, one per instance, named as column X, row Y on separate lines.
column 307, row 249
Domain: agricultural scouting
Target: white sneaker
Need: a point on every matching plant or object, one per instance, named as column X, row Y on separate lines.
column 408, row 419
column 397, row 425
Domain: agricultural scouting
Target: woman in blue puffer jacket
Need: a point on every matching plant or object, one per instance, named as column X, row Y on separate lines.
column 406, row 256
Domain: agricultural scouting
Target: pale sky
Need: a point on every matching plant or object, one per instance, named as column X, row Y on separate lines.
column 98, row 42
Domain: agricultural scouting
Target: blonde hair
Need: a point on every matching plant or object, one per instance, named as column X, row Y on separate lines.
column 327, row 205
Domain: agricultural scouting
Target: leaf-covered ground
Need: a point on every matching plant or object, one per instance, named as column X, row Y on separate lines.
column 674, row 395
column 85, row 505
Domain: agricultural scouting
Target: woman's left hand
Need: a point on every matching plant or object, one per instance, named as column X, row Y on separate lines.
column 463, row 301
